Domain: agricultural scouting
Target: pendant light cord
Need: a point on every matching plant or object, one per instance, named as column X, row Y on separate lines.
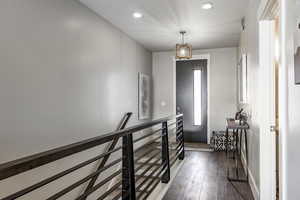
column 182, row 36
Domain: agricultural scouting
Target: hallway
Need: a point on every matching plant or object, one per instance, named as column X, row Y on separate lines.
column 203, row 176
column 126, row 100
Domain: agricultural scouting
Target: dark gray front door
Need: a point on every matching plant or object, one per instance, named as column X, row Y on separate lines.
column 191, row 98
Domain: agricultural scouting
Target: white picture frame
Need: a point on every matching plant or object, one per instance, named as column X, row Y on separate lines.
column 144, row 103
column 243, row 80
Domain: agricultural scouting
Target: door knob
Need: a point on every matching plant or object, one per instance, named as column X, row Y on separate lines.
column 273, row 128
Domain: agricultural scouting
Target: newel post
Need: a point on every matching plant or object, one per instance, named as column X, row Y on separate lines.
column 128, row 176
column 165, row 153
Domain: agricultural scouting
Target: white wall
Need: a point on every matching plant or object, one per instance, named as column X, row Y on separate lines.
column 292, row 136
column 66, row 74
column 222, row 77
column 249, row 44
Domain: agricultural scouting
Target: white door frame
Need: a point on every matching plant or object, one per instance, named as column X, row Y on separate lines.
column 268, row 10
column 196, row 57
column 267, row 106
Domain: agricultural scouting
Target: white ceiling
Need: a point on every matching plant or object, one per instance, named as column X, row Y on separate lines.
column 159, row 28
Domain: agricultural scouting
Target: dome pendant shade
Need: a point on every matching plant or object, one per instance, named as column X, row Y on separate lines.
column 183, row 50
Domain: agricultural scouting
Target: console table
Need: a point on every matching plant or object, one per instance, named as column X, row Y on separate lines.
column 239, row 128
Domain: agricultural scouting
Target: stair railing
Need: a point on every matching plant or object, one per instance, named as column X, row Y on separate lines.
column 146, row 160
column 109, row 148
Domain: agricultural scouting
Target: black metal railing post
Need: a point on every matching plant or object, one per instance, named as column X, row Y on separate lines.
column 165, row 153
column 181, row 136
column 128, row 176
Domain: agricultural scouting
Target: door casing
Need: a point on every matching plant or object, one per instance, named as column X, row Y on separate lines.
column 268, row 11
column 267, row 105
column 185, row 98
column 195, row 57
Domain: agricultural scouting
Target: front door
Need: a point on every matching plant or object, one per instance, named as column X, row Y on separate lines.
column 191, row 98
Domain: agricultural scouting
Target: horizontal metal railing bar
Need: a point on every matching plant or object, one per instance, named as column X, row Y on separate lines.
column 145, row 176
column 175, row 123
column 100, row 184
column 173, row 160
column 179, row 144
column 141, row 163
column 147, row 135
column 152, row 188
column 83, row 180
column 179, row 128
column 108, row 192
column 120, row 188
column 173, row 156
column 151, row 180
column 147, row 144
column 146, row 180
column 179, row 121
column 147, row 161
column 181, row 147
column 18, row 166
column 146, row 171
column 57, row 176
column 172, row 124
column 178, row 151
column 179, row 131
column 179, row 137
column 118, row 196
column 171, row 129
column 145, row 153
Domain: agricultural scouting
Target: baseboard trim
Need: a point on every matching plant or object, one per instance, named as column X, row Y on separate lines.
column 252, row 183
column 198, row 149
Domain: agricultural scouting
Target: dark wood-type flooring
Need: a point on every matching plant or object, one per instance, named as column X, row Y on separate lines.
column 203, row 177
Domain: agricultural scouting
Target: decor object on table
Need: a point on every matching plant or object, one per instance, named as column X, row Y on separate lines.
column 144, row 96
column 183, row 50
column 218, row 141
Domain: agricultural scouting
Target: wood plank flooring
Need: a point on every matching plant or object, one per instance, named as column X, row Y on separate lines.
column 203, row 177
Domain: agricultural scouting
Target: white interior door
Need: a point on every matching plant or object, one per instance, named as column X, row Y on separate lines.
column 268, row 114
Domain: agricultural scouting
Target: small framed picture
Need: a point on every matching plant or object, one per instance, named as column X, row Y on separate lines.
column 144, row 96
column 243, row 79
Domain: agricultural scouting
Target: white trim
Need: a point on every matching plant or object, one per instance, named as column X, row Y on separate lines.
column 268, row 9
column 252, row 183
column 267, row 144
column 195, row 57
column 283, row 102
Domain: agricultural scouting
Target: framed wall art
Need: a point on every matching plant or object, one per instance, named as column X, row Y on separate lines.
column 144, row 96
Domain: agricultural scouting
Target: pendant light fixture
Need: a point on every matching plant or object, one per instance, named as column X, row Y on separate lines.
column 183, row 50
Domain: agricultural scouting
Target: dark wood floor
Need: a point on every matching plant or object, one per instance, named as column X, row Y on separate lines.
column 203, row 177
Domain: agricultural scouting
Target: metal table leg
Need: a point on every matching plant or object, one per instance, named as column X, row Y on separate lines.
column 227, row 142
column 236, row 152
column 238, row 135
column 246, row 146
column 241, row 138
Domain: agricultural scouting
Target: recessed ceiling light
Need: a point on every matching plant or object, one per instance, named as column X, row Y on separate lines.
column 137, row 15
column 207, row 6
